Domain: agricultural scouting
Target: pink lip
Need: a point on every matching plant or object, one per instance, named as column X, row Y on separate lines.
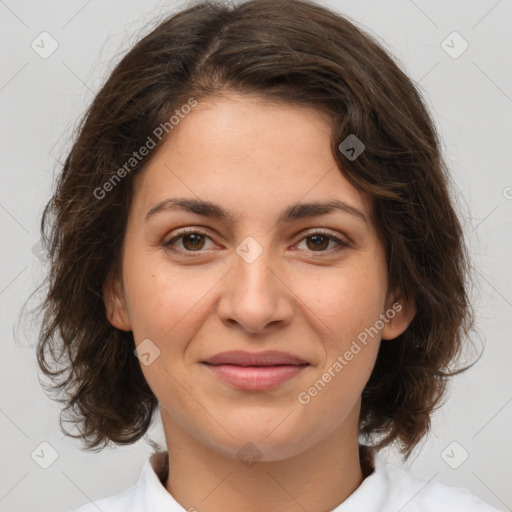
column 255, row 378
column 266, row 358
column 255, row 371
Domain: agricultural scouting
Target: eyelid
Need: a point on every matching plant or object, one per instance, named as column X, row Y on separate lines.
column 184, row 231
column 341, row 240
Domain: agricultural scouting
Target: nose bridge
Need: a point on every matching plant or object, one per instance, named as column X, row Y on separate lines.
column 255, row 296
column 253, row 275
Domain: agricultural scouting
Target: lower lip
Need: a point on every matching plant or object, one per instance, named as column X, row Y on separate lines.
column 255, row 378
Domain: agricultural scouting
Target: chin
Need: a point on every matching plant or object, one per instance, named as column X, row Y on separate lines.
column 265, row 441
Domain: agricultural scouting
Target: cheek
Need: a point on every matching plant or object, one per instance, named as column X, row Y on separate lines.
column 168, row 306
column 349, row 306
column 346, row 301
column 162, row 296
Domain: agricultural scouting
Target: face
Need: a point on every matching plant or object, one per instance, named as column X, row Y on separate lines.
column 254, row 270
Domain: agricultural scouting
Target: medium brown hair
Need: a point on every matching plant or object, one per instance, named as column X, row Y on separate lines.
column 291, row 51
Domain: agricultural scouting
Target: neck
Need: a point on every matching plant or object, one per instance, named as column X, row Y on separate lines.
column 317, row 479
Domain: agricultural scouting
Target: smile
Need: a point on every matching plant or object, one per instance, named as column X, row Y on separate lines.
column 255, row 378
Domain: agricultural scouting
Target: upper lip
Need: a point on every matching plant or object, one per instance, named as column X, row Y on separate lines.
column 267, row 358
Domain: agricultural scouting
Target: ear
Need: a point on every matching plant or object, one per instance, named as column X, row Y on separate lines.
column 399, row 315
column 115, row 304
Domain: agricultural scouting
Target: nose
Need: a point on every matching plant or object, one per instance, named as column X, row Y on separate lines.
column 255, row 297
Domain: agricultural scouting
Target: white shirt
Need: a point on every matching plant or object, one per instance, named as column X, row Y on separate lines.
column 387, row 489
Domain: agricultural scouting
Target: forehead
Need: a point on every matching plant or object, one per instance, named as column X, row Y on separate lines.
column 248, row 154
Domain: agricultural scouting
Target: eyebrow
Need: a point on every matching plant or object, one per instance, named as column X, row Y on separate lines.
column 292, row 213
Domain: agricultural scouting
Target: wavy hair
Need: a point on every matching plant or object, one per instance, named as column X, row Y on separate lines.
column 291, row 51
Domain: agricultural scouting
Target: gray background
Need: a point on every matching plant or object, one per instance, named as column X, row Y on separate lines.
column 40, row 101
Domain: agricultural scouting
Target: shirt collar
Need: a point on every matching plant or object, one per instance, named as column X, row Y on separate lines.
column 152, row 492
column 152, row 496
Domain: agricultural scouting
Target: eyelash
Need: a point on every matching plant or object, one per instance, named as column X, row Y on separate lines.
column 341, row 244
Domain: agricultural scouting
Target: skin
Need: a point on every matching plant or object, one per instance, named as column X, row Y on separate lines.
column 254, row 159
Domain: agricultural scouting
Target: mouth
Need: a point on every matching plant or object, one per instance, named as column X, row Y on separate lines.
column 255, row 371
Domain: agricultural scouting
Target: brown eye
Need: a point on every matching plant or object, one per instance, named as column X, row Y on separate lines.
column 193, row 241
column 318, row 242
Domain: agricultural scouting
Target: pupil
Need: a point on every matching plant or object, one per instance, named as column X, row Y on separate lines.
column 195, row 238
column 191, row 241
column 319, row 239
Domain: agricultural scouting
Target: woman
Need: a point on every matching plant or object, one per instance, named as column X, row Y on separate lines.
column 256, row 221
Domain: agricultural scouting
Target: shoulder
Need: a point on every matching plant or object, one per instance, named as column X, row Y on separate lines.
column 147, row 493
column 420, row 495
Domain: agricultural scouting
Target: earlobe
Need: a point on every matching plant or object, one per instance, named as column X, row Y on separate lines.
column 115, row 304
column 399, row 314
